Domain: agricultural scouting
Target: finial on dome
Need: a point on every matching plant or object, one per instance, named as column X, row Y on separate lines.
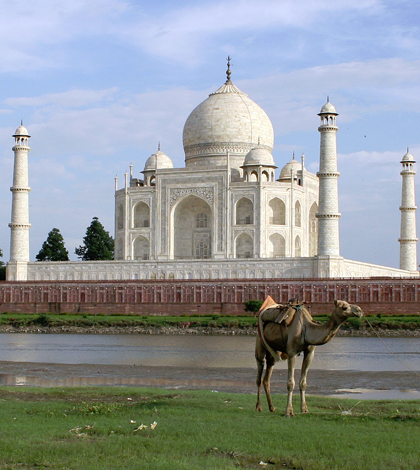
column 159, row 146
column 328, row 98
column 228, row 72
column 21, row 122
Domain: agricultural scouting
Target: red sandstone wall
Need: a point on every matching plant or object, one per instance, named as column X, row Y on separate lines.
column 174, row 297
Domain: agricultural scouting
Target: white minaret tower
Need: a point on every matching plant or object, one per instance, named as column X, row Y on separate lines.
column 17, row 267
column 408, row 239
column 328, row 215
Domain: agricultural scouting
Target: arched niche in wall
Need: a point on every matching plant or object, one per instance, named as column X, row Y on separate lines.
column 192, row 228
column 244, row 211
column 277, row 246
column 276, row 212
column 244, row 246
column 120, row 217
column 298, row 214
column 313, row 230
column 298, row 247
column 141, row 248
column 141, row 215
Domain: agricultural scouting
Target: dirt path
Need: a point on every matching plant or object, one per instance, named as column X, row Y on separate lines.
column 240, row 380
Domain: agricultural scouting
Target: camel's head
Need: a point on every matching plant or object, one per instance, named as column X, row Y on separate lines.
column 344, row 309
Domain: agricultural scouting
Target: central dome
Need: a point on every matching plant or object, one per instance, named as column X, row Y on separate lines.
column 227, row 121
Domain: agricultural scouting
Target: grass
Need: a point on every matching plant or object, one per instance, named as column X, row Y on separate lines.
column 94, row 428
column 23, row 319
column 389, row 322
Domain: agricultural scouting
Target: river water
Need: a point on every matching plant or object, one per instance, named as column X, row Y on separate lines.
column 360, row 354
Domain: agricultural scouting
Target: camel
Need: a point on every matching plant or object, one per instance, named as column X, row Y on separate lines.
column 290, row 332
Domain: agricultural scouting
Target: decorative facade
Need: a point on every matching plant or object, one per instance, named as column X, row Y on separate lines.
column 224, row 215
column 226, row 203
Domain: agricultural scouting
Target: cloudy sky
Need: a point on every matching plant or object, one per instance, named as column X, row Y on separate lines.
column 99, row 83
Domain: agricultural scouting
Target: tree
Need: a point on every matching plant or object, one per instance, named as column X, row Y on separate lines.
column 253, row 305
column 98, row 243
column 53, row 248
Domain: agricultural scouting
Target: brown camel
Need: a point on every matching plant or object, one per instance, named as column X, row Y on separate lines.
column 290, row 336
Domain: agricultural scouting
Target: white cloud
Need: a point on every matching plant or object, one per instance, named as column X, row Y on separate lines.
column 31, row 31
column 181, row 33
column 71, row 98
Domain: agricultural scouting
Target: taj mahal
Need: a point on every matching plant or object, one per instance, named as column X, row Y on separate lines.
column 224, row 215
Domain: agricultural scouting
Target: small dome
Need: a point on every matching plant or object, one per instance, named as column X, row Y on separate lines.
column 21, row 130
column 158, row 160
column 259, row 156
column 286, row 171
column 328, row 108
column 408, row 158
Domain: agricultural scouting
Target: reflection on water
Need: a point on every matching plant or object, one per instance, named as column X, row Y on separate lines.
column 161, row 382
column 204, row 383
column 368, row 394
column 363, row 354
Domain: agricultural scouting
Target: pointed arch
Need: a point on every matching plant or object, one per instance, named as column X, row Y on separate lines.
column 141, row 215
column 313, row 230
column 276, row 212
column 192, row 229
column 298, row 214
column 120, row 217
column 278, row 246
column 253, row 176
column 244, row 211
column 298, row 247
column 141, row 248
column 244, row 246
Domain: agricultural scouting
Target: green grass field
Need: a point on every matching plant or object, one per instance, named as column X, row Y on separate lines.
column 408, row 322
column 100, row 428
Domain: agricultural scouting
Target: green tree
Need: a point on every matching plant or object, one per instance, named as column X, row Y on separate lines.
column 253, row 305
column 53, row 248
column 98, row 243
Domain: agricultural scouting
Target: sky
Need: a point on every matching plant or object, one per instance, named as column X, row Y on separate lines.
column 100, row 83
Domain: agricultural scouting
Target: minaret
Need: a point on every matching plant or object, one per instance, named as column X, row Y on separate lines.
column 408, row 239
column 17, row 267
column 328, row 215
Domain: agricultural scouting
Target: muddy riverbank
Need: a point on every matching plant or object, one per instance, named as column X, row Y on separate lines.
column 237, row 380
column 205, row 330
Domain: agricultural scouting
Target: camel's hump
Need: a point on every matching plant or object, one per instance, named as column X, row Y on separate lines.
column 268, row 302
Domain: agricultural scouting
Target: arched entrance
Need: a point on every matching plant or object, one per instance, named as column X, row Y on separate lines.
column 192, row 229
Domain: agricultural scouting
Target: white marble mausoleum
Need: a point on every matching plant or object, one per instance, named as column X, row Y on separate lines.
column 225, row 215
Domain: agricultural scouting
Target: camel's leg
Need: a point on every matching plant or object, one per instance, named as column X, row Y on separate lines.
column 260, row 358
column 290, row 384
column 307, row 359
column 267, row 380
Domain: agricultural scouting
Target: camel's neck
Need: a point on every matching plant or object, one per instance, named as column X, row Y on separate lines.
column 321, row 334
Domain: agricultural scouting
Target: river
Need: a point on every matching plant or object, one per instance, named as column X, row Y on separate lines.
column 359, row 354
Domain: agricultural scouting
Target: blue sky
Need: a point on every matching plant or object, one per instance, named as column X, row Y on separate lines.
column 99, row 83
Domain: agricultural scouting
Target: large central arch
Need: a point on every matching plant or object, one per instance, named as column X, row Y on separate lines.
column 192, row 229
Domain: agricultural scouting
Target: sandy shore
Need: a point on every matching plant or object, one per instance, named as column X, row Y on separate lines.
column 172, row 330
column 238, row 380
